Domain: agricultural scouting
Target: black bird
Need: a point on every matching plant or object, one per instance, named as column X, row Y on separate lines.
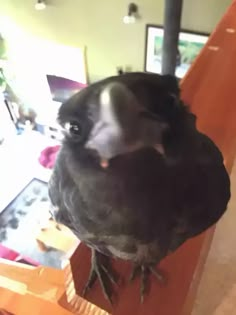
column 134, row 178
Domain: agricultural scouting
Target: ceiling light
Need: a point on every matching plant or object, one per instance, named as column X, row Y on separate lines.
column 40, row 5
column 132, row 15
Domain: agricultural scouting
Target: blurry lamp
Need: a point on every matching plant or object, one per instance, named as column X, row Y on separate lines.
column 40, row 5
column 132, row 15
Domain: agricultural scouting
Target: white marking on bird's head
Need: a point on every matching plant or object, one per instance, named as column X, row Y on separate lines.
column 122, row 125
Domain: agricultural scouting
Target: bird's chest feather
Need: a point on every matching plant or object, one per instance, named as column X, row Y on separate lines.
column 123, row 199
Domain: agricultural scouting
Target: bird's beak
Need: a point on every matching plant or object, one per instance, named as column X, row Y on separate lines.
column 104, row 163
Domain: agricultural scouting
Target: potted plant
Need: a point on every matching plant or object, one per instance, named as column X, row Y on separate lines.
column 3, row 83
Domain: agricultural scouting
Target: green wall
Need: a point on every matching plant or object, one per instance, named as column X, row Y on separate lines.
column 98, row 26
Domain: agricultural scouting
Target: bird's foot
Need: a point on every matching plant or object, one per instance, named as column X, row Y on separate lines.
column 99, row 270
column 144, row 271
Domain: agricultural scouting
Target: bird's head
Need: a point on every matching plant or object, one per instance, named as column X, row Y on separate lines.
column 111, row 119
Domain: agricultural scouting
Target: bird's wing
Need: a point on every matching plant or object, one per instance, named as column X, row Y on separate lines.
column 202, row 192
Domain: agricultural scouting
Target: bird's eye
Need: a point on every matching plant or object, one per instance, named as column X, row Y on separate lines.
column 74, row 128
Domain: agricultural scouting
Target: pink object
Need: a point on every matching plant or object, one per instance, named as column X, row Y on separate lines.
column 10, row 254
column 48, row 156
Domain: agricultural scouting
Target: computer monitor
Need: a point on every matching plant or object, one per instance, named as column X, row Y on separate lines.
column 62, row 88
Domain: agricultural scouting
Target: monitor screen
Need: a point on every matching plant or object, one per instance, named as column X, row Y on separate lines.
column 62, row 88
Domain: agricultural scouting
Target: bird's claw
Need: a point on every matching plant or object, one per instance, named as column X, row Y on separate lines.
column 144, row 271
column 99, row 271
